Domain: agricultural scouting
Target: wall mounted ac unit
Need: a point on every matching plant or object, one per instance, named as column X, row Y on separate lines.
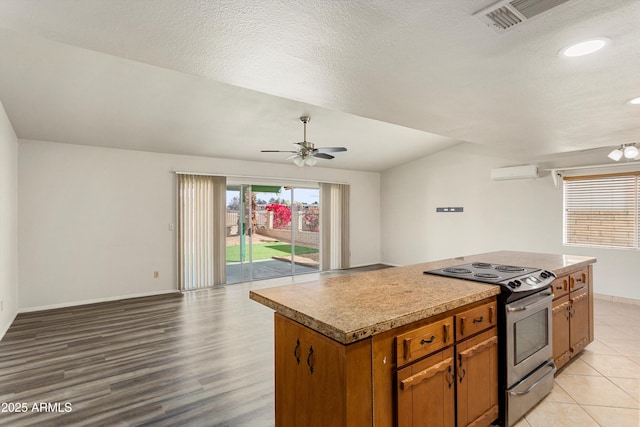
column 515, row 172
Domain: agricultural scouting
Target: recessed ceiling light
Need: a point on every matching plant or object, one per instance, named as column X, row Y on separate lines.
column 585, row 48
column 634, row 101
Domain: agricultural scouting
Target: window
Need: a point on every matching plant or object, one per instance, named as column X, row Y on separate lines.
column 602, row 210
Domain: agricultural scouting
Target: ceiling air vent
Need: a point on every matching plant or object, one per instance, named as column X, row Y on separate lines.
column 506, row 14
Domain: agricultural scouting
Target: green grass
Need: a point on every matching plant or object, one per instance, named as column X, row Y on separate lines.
column 266, row 251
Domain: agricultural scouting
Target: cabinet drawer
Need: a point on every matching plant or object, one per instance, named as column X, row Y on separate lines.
column 560, row 287
column 425, row 340
column 475, row 320
column 578, row 280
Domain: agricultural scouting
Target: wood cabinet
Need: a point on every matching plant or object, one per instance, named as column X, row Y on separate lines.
column 457, row 384
column 428, row 373
column 426, row 392
column 477, row 374
column 561, row 320
column 320, row 382
column 476, row 319
column 579, row 321
column 425, row 340
column 572, row 315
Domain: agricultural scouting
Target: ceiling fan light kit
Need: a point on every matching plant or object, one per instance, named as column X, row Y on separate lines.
column 307, row 154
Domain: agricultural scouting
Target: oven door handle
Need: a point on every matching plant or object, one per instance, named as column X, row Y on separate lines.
column 524, row 307
column 534, row 385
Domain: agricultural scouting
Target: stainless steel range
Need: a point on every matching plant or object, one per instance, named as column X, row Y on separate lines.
column 524, row 332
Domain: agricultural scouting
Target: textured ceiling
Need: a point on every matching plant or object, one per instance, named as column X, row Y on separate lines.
column 390, row 80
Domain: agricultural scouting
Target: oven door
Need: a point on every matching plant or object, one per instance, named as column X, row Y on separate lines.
column 528, row 340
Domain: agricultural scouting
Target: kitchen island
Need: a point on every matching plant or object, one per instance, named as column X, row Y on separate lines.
column 352, row 350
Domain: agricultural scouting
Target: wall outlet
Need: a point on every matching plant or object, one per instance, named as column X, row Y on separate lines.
column 156, row 274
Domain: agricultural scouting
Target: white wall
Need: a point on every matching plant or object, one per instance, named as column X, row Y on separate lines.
column 8, row 223
column 94, row 222
column 520, row 215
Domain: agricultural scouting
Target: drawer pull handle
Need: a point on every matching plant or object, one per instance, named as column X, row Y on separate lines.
column 532, row 386
column 463, row 372
column 478, row 319
column 296, row 351
column 311, row 359
column 429, row 341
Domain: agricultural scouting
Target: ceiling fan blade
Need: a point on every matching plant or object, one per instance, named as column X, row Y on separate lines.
column 306, row 152
column 331, row 149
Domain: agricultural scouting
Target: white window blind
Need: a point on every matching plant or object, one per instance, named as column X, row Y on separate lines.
column 334, row 226
column 201, row 231
column 601, row 210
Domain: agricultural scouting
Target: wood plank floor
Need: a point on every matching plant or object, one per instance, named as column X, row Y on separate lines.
column 203, row 358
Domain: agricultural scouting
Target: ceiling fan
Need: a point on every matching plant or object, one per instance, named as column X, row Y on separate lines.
column 307, row 153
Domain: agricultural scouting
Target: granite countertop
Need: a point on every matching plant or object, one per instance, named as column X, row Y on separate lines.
column 354, row 307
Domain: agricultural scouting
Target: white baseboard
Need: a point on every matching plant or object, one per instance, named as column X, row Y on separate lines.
column 94, row 301
column 390, row 264
column 616, row 299
column 369, row 264
column 4, row 329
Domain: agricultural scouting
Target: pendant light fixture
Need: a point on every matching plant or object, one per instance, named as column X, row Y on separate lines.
column 628, row 151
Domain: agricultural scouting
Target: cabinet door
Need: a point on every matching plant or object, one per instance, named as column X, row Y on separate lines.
column 288, row 370
column 561, row 313
column 426, row 392
column 477, row 377
column 307, row 390
column 318, row 381
column 579, row 331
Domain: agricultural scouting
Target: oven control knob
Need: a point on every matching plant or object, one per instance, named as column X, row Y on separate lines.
column 512, row 285
column 544, row 274
column 518, row 283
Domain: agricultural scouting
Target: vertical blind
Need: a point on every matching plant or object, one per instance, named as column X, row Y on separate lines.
column 201, row 231
column 334, row 226
column 601, row 210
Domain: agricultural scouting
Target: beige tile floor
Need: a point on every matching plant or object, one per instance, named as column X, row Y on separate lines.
column 601, row 387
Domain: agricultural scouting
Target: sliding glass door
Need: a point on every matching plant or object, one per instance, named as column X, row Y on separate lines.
column 272, row 231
